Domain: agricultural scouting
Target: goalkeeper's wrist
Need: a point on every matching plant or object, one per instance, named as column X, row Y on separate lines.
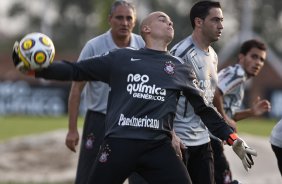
column 31, row 73
column 232, row 137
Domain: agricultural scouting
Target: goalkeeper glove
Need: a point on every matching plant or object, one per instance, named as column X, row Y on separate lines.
column 19, row 64
column 244, row 152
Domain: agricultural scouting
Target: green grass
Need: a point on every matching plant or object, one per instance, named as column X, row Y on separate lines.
column 16, row 126
column 260, row 127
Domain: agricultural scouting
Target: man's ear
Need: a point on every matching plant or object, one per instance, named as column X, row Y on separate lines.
column 146, row 29
column 198, row 21
column 241, row 58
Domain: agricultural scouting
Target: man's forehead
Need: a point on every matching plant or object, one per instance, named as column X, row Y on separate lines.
column 160, row 15
column 122, row 9
column 215, row 12
column 257, row 50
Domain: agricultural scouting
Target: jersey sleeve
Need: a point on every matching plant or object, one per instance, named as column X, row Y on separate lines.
column 229, row 78
column 95, row 68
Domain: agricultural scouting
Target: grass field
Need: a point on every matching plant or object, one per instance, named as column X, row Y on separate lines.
column 260, row 127
column 26, row 125
column 16, row 126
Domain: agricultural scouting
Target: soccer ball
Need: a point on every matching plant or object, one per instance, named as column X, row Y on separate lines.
column 36, row 50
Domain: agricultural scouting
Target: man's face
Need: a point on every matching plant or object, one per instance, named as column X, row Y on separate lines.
column 162, row 27
column 122, row 21
column 253, row 61
column 212, row 25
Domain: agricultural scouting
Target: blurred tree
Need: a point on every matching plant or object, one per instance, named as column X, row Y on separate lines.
column 71, row 26
column 73, row 22
column 268, row 23
column 70, row 23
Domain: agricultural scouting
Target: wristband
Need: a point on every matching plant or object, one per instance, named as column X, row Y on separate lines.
column 232, row 137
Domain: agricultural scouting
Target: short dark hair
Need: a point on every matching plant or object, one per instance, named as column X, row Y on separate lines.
column 201, row 10
column 253, row 43
column 122, row 3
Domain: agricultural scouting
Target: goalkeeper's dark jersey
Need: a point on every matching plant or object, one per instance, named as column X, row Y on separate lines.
column 145, row 85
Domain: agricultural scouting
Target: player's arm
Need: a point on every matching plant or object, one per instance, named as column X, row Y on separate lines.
column 209, row 115
column 72, row 137
column 90, row 69
column 95, row 68
column 87, row 70
column 211, row 118
column 219, row 128
column 258, row 107
column 218, row 103
column 216, row 123
column 243, row 114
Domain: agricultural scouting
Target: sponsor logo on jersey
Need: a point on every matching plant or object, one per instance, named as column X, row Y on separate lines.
column 169, row 68
column 139, row 122
column 208, row 88
column 138, row 87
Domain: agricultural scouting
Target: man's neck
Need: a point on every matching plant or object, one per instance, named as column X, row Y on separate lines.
column 200, row 41
column 158, row 45
column 121, row 41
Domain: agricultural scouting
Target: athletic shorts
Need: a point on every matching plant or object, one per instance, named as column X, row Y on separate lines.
column 135, row 178
column 92, row 137
column 154, row 160
column 199, row 163
column 222, row 170
column 278, row 154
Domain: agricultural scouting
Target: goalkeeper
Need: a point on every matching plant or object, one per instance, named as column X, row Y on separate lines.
column 145, row 85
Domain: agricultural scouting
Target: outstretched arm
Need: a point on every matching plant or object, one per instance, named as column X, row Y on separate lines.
column 258, row 107
column 91, row 69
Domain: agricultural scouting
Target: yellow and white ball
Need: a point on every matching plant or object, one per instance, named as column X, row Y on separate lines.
column 36, row 50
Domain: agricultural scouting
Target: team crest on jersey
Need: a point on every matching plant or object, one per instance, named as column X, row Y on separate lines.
column 90, row 141
column 105, row 154
column 169, row 68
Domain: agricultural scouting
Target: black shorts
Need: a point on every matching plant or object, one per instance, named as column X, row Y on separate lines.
column 199, row 163
column 92, row 137
column 135, row 178
column 221, row 166
column 278, row 154
column 154, row 160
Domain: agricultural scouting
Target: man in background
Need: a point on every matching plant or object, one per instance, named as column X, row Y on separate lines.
column 122, row 19
column 229, row 96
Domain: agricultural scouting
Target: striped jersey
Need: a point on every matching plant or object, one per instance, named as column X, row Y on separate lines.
column 95, row 93
column 188, row 125
column 231, row 82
